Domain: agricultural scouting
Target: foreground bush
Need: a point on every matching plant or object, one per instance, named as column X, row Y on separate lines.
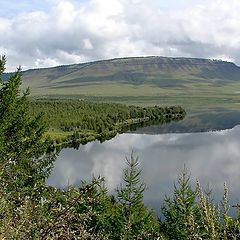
column 89, row 212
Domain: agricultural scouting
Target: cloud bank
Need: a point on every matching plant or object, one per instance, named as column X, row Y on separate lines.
column 79, row 31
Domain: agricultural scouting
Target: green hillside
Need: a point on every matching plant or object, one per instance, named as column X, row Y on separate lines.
column 199, row 85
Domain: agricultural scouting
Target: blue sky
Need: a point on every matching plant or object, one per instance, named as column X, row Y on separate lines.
column 42, row 33
column 10, row 8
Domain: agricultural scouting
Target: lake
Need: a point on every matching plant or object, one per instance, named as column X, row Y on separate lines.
column 211, row 157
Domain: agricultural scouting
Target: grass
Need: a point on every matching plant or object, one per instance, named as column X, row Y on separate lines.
column 57, row 134
column 192, row 96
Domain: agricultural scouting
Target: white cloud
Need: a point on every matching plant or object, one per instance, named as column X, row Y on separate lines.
column 96, row 29
column 87, row 44
column 47, row 62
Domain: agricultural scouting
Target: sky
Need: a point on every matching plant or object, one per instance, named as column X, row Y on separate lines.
column 45, row 33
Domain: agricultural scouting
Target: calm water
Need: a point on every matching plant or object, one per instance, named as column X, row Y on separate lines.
column 212, row 157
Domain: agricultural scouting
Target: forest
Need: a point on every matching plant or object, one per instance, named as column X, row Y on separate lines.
column 79, row 121
column 30, row 209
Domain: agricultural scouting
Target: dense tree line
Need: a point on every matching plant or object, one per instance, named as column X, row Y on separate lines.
column 85, row 121
column 30, row 209
column 83, row 115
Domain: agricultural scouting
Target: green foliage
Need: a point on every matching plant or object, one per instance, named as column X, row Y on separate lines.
column 177, row 209
column 66, row 214
column 191, row 214
column 83, row 115
column 136, row 219
column 209, row 216
column 23, row 159
column 83, row 121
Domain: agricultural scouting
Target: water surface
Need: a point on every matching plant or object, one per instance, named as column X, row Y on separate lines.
column 212, row 157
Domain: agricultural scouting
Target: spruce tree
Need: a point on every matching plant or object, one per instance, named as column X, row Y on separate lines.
column 137, row 221
column 24, row 163
column 179, row 207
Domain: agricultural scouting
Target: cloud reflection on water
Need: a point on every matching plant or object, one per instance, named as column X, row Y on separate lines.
column 213, row 158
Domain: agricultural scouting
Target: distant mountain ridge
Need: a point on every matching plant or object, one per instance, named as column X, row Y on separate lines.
column 145, row 60
column 161, row 62
column 155, row 71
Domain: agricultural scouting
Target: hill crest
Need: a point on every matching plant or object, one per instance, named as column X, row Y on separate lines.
column 130, row 76
column 149, row 59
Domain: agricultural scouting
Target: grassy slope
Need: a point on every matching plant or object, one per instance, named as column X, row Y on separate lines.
column 198, row 85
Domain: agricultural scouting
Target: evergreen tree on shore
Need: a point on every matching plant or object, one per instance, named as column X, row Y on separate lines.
column 23, row 159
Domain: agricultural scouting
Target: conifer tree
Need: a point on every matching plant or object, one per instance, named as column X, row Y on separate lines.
column 138, row 221
column 23, row 159
column 177, row 209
